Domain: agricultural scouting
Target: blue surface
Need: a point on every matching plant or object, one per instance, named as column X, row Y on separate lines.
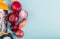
column 43, row 20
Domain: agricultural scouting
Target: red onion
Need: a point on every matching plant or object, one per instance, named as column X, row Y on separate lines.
column 20, row 33
column 23, row 14
column 16, row 6
column 13, row 18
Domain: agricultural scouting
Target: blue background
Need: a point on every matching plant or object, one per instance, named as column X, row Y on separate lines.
column 43, row 20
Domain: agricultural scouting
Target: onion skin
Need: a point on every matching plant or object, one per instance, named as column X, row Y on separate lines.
column 21, row 25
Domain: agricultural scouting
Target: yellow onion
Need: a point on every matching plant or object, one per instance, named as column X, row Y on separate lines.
column 21, row 25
